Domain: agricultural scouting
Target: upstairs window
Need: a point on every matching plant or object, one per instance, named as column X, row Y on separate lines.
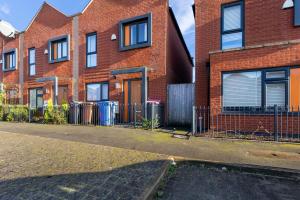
column 59, row 49
column 135, row 32
column 91, row 50
column 31, row 61
column 232, row 26
column 9, row 60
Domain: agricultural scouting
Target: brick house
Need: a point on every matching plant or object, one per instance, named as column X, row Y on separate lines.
column 247, row 55
column 126, row 51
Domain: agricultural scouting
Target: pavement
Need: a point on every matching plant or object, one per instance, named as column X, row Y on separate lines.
column 255, row 153
column 190, row 181
column 33, row 167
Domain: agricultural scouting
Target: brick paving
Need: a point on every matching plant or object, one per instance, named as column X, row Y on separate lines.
column 193, row 181
column 33, row 167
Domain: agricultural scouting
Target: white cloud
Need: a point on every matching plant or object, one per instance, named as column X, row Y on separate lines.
column 184, row 14
column 4, row 8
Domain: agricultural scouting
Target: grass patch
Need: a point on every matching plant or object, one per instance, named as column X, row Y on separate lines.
column 161, row 188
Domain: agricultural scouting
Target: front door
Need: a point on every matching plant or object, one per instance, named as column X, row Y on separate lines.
column 132, row 96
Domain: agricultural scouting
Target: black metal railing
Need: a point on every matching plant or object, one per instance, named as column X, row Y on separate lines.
column 261, row 123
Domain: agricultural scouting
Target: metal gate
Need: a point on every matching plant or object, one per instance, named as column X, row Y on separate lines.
column 181, row 99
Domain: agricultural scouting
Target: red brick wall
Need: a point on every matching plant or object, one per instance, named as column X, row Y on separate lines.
column 109, row 56
column 11, row 78
column 265, row 22
column 179, row 66
column 166, row 58
column 48, row 24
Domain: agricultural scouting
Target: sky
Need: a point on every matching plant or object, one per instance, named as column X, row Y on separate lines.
column 20, row 12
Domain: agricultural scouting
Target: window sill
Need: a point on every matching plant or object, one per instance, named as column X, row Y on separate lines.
column 93, row 67
column 137, row 46
column 9, row 70
column 59, row 60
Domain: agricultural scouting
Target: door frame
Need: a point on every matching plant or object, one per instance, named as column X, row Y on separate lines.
column 129, row 94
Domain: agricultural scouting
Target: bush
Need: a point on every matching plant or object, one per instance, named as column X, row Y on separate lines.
column 14, row 113
column 54, row 115
column 147, row 124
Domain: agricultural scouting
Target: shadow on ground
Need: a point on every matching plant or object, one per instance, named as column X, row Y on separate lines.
column 129, row 182
column 191, row 180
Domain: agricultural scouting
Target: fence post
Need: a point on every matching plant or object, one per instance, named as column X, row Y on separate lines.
column 152, row 116
column 194, row 123
column 134, row 110
column 276, row 123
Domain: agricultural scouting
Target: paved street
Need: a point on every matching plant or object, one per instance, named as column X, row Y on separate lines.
column 193, row 181
column 33, row 167
column 226, row 151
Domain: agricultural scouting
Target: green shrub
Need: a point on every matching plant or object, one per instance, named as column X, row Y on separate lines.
column 14, row 113
column 147, row 124
column 54, row 115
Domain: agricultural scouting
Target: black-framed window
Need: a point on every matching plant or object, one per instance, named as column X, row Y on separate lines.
column 258, row 88
column 10, row 60
column 91, row 50
column 97, row 92
column 31, row 61
column 36, row 98
column 276, row 88
column 136, row 32
column 232, row 25
column 59, row 49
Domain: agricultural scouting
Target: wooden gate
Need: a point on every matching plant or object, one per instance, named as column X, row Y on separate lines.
column 181, row 99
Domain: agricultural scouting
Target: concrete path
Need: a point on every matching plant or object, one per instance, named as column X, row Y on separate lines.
column 33, row 167
column 227, row 151
column 193, row 181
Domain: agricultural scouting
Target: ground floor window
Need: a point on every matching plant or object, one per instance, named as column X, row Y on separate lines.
column 36, row 98
column 262, row 88
column 12, row 96
column 62, row 95
column 97, row 91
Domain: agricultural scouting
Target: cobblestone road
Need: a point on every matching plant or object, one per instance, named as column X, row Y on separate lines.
column 39, row 168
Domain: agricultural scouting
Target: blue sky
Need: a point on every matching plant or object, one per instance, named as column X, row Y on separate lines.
column 20, row 12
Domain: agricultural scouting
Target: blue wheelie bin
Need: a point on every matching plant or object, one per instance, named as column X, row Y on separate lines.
column 106, row 113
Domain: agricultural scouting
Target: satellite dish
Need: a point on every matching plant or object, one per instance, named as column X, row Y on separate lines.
column 7, row 29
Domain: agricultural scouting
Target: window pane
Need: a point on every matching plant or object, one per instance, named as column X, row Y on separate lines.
column 242, row 89
column 234, row 40
column 91, row 44
column 64, row 49
column 143, row 33
column 32, row 56
column 93, row 92
column 40, row 101
column 32, row 96
column 105, row 91
column 232, row 18
column 133, row 39
column 275, row 94
column 295, row 89
column 92, row 60
column 59, row 47
column 127, row 35
column 54, row 51
column 32, row 70
column 276, row 74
